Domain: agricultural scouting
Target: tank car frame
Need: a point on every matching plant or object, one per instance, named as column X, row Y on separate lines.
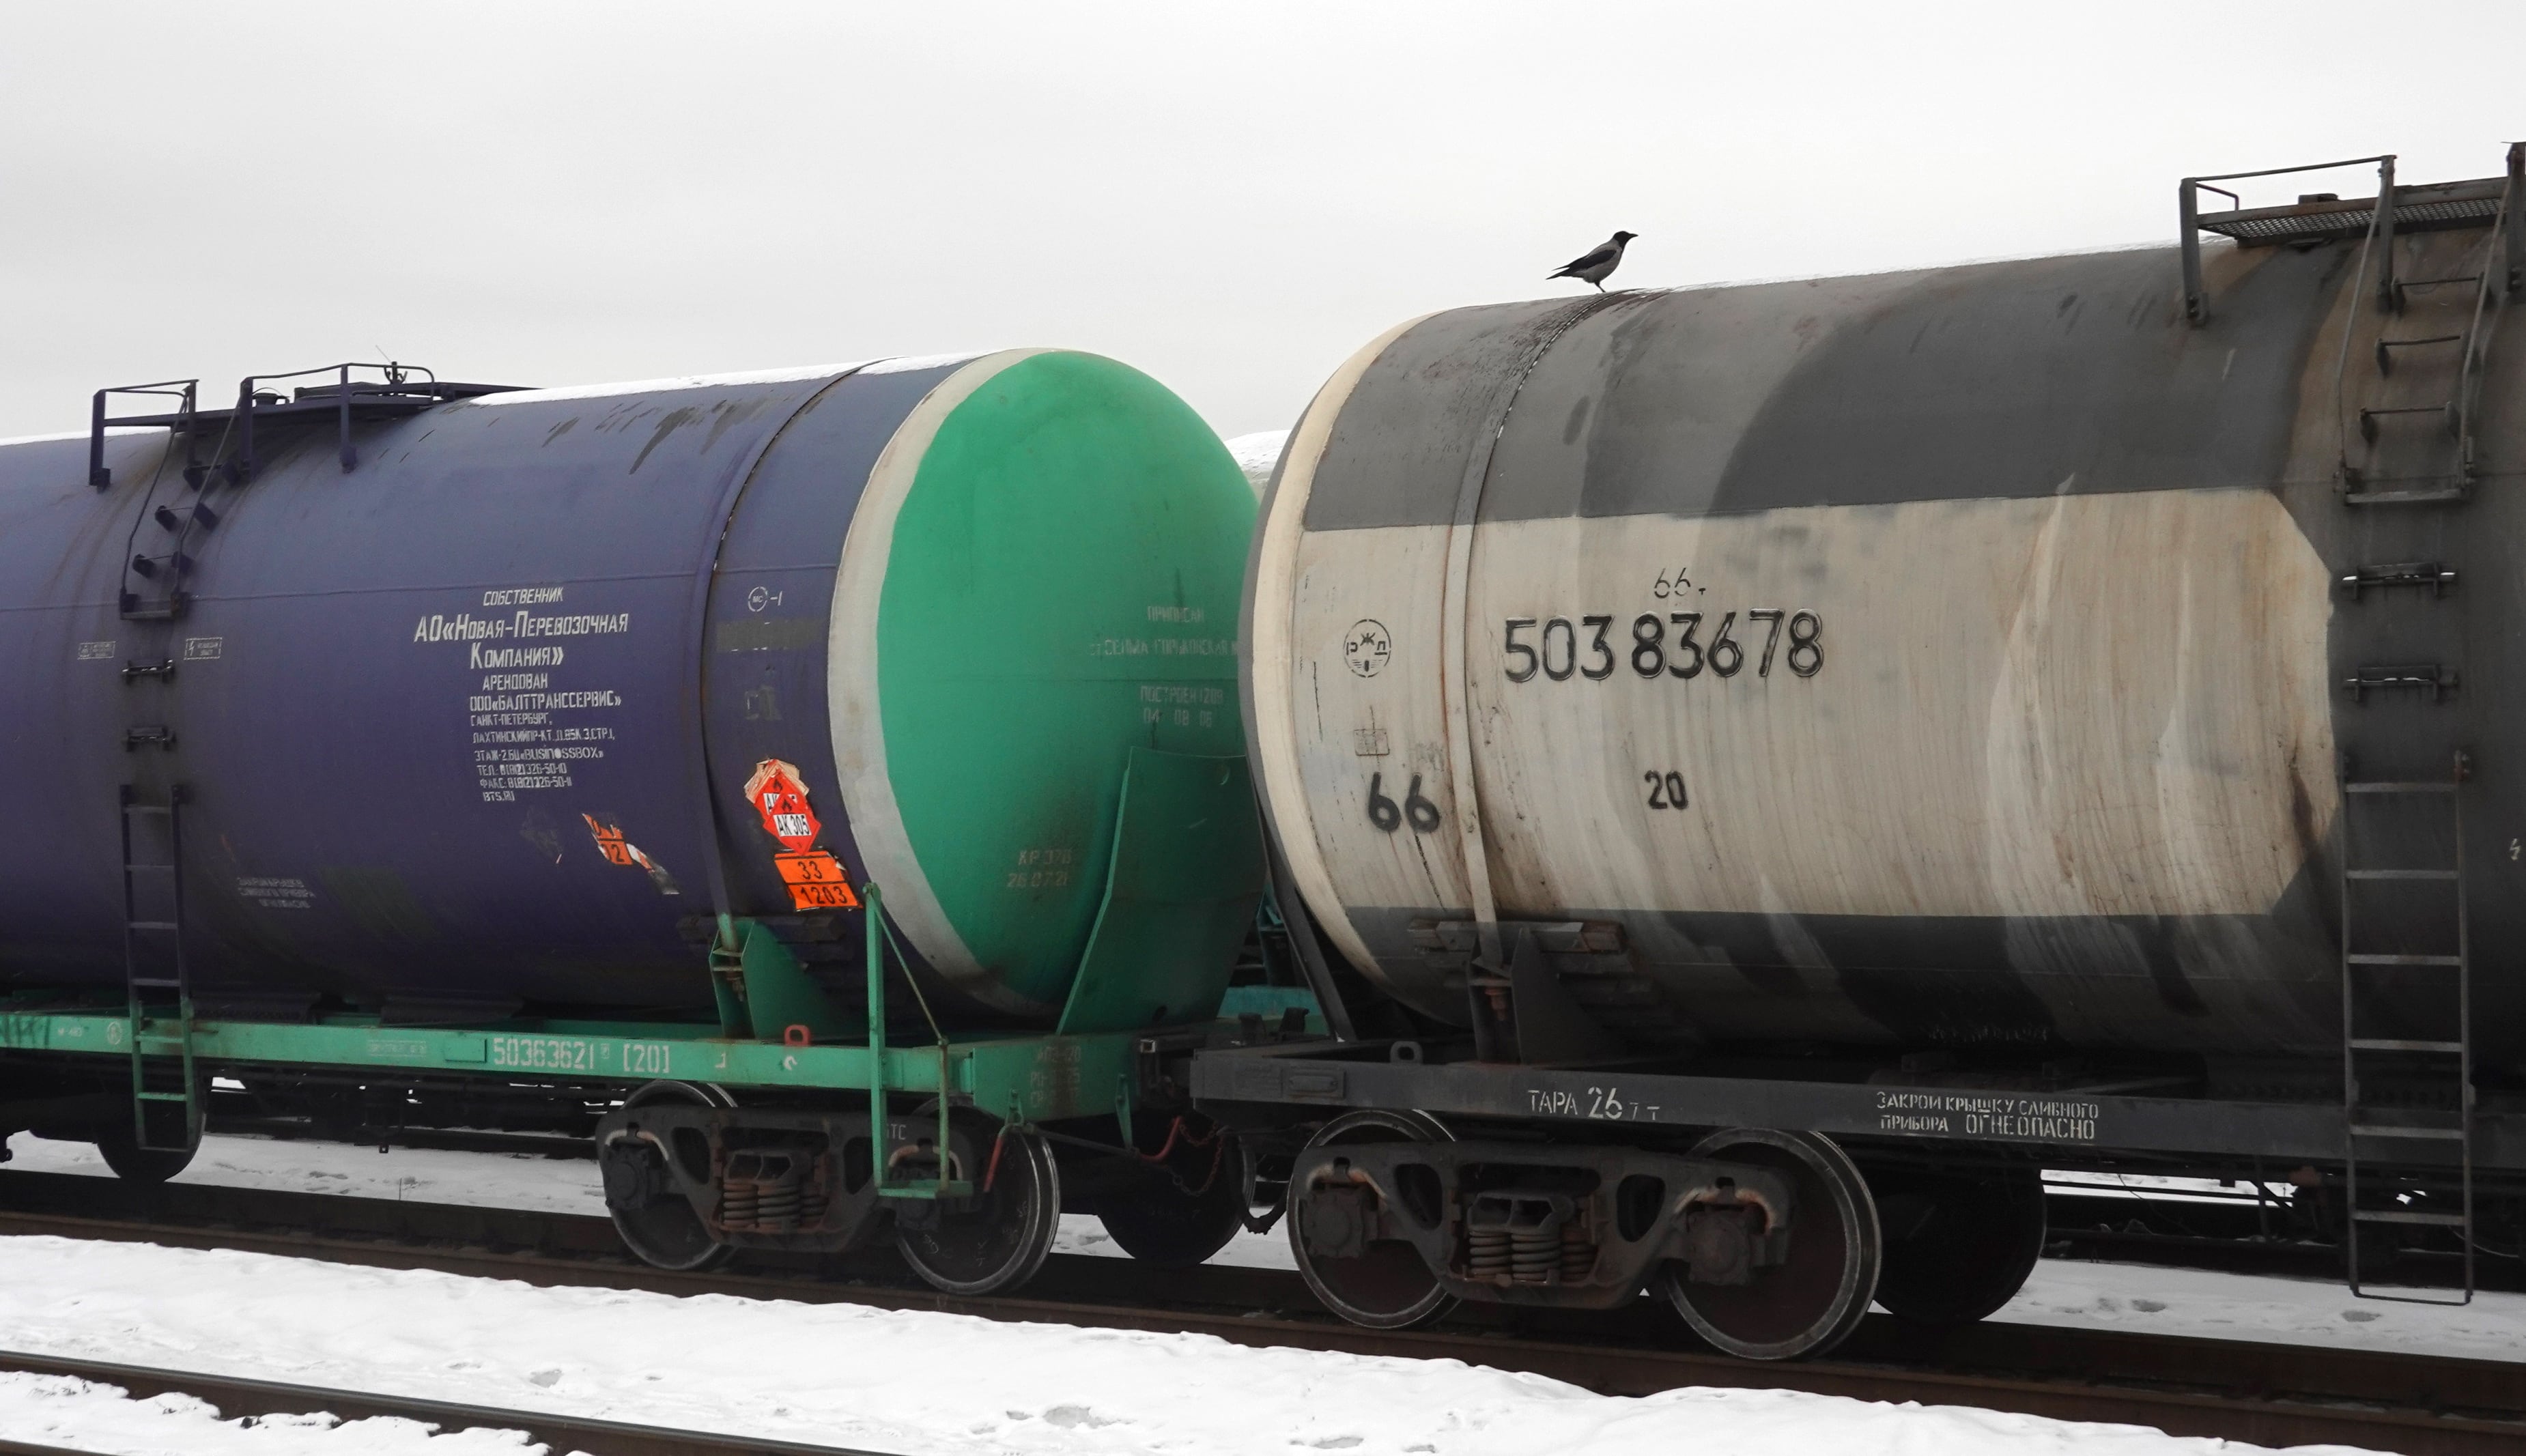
column 1925, row 1170
column 1574, row 1012
column 1522, row 1157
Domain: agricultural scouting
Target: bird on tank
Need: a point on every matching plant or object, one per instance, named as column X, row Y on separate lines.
column 1599, row 265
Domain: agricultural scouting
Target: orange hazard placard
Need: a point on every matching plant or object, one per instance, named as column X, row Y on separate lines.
column 816, row 880
column 609, row 841
column 781, row 799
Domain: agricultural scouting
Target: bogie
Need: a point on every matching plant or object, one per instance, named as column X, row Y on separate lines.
column 1765, row 1242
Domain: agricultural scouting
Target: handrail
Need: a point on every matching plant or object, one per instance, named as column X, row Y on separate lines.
column 395, row 375
column 2197, row 299
column 881, row 935
column 2471, row 369
column 2344, row 474
column 2516, row 197
column 98, row 476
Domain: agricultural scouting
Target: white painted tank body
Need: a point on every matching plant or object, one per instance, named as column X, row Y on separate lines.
column 1943, row 658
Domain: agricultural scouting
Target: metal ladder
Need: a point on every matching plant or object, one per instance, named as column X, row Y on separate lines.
column 2431, row 1071
column 2495, row 276
column 154, row 973
column 2366, row 1121
column 166, row 1090
column 156, row 561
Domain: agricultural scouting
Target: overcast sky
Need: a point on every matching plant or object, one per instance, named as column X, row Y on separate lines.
column 1231, row 197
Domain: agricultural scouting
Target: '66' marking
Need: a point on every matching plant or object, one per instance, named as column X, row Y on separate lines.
column 1595, row 1104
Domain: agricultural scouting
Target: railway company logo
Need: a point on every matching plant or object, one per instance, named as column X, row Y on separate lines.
column 1366, row 647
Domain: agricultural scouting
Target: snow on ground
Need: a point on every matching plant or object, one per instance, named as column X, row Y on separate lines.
column 2080, row 1294
column 522, row 1180
column 54, row 1409
column 905, row 1381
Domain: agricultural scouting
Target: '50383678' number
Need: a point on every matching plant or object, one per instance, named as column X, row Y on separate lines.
column 1555, row 652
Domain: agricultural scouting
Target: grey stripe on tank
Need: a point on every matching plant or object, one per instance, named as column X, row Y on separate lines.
column 1996, row 380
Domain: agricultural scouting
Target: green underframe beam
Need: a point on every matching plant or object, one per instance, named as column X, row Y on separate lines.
column 1038, row 1078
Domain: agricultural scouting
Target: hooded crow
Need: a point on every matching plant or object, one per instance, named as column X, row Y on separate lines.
column 1594, row 268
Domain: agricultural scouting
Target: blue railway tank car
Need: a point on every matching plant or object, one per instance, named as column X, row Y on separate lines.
column 486, row 700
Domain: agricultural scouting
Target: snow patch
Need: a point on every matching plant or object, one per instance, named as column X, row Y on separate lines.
column 654, row 387
column 904, row 1380
column 911, row 363
column 43, row 1408
column 115, row 433
column 1258, row 454
column 2077, row 1294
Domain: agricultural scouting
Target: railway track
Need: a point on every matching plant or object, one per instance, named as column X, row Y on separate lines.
column 236, row 1397
column 2089, row 1222
column 2269, row 1394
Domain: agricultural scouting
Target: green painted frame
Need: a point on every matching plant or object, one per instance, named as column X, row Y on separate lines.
column 1028, row 1078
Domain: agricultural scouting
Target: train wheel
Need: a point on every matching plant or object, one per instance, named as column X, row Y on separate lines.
column 1387, row 1286
column 1812, row 1301
column 134, row 1164
column 1171, row 1217
column 656, row 1220
column 997, row 1237
column 1958, row 1244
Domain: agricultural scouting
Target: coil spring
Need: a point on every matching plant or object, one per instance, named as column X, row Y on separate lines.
column 776, row 1208
column 771, row 1193
column 1487, row 1253
column 1533, row 1254
column 1577, row 1253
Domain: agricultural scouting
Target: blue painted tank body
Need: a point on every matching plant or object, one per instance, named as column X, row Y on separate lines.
column 414, row 701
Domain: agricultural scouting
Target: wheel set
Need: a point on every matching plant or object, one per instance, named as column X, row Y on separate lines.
column 1768, row 1244
column 691, row 1177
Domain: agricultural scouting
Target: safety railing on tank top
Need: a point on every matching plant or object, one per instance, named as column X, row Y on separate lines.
column 2373, row 218
column 252, row 397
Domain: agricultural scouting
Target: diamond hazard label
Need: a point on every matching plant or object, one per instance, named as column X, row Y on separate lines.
column 778, row 795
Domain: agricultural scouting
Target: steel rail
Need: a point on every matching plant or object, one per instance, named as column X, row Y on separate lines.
column 236, row 1396
column 2101, row 1221
column 2266, row 1393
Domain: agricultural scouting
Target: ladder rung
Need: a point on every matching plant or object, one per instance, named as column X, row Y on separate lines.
column 147, row 809
column 154, row 981
column 2383, row 960
column 163, row 1096
column 2404, row 1130
column 2401, row 786
column 2398, row 875
column 2398, row 1215
column 2430, row 495
column 151, row 925
column 2372, row 1043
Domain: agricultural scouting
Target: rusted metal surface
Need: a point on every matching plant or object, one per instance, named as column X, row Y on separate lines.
column 2028, row 721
